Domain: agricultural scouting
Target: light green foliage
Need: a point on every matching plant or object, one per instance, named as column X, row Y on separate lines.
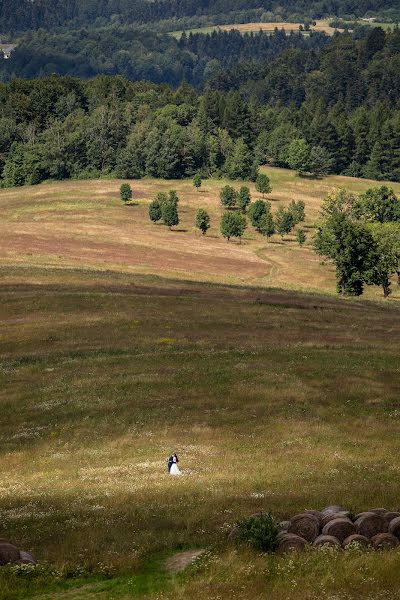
column 263, row 185
column 298, row 156
column 284, row 221
column 378, row 204
column 296, row 209
column 125, row 192
column 228, row 196
column 202, row 220
column 232, row 225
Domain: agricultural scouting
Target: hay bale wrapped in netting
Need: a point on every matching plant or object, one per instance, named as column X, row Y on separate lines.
column 316, row 513
column 291, row 543
column 304, row 525
column 26, row 558
column 394, row 527
column 234, row 533
column 379, row 511
column 340, row 528
column 8, row 553
column 370, row 524
column 356, row 539
column 389, row 516
column 330, row 510
column 327, row 540
column 361, row 514
column 326, row 518
column 385, row 541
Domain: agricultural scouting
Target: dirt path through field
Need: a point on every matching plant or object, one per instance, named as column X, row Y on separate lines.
column 180, row 561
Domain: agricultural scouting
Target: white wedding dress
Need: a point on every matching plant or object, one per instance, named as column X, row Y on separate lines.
column 175, row 469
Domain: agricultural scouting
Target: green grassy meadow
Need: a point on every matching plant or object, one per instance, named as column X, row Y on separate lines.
column 274, row 399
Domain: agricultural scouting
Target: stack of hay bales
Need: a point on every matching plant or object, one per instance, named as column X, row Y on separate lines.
column 378, row 528
column 9, row 554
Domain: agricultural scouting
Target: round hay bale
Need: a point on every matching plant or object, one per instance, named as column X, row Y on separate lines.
column 316, row 513
column 329, row 510
column 339, row 528
column 371, row 524
column 330, row 517
column 305, row 526
column 361, row 514
column 327, row 540
column 283, row 525
column 389, row 516
column 394, row 527
column 379, row 511
column 234, row 533
column 385, row 541
column 291, row 543
column 356, row 538
column 8, row 553
column 26, row 558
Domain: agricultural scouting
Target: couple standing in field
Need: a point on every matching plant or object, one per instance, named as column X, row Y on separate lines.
column 173, row 468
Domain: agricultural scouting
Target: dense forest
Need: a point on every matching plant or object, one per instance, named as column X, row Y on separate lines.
column 22, row 15
column 138, row 55
column 329, row 108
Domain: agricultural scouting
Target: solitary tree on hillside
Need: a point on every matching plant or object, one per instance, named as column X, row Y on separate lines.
column 170, row 215
column 125, row 192
column 284, row 221
column 155, row 211
column 263, row 185
column 232, row 225
column 244, row 198
column 228, row 196
column 202, row 220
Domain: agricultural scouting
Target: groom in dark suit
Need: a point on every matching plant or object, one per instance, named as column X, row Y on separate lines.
column 170, row 461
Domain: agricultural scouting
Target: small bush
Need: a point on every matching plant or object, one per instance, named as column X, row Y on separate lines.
column 260, row 532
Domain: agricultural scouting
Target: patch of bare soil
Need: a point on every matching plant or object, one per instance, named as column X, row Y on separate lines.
column 180, row 561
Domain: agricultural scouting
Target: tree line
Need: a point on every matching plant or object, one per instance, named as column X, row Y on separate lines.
column 23, row 15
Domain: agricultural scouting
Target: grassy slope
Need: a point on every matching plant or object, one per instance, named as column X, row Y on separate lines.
column 274, row 400
column 85, row 225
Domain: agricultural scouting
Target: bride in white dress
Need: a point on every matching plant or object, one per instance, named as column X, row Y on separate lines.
column 175, row 470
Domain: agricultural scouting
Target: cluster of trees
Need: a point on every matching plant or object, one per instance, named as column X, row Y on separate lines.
column 237, row 205
column 165, row 207
column 360, row 235
column 328, row 110
column 20, row 15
